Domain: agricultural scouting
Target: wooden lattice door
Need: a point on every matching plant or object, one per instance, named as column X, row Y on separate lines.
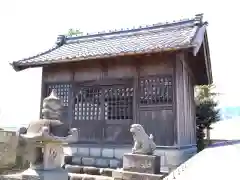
column 118, row 113
column 103, row 113
column 87, row 113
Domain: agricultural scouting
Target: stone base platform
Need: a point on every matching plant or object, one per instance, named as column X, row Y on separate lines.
column 141, row 163
column 111, row 156
column 126, row 175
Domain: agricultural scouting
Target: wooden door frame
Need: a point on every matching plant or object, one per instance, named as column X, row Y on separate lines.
column 103, row 84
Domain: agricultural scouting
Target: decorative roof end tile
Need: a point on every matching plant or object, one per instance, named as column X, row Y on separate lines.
column 199, row 19
column 61, row 39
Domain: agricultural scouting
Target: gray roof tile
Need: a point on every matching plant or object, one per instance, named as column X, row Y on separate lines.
column 155, row 38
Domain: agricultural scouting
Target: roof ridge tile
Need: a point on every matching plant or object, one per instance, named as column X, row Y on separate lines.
column 139, row 28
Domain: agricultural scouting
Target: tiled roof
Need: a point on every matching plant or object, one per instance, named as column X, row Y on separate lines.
column 154, row 38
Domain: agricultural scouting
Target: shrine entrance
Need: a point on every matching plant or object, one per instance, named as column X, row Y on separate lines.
column 103, row 113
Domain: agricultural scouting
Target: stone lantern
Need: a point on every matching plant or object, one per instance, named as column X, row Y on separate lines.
column 43, row 142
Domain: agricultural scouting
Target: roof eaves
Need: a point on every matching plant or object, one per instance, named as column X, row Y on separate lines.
column 208, row 60
column 21, row 66
column 16, row 67
column 198, row 37
column 61, row 40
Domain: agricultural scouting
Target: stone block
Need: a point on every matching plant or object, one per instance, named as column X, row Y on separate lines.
column 141, row 163
column 126, row 175
column 114, row 163
column 88, row 161
column 70, row 150
column 95, row 152
column 76, row 160
column 8, row 149
column 74, row 150
column 106, row 172
column 175, row 157
column 102, row 162
column 119, row 152
column 107, row 152
column 74, row 169
column 91, row 170
column 83, row 151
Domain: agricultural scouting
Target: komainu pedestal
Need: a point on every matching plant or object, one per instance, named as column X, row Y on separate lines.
column 141, row 159
column 141, row 163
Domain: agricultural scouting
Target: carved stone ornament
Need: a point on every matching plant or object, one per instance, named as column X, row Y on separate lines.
column 143, row 144
column 52, row 106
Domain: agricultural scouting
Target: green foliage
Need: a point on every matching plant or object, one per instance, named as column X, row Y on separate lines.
column 206, row 112
column 74, row 32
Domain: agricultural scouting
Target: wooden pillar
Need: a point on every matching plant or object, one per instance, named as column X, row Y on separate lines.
column 43, row 93
column 136, row 92
column 71, row 100
column 185, row 106
column 179, row 98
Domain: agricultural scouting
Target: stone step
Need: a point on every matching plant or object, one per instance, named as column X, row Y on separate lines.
column 77, row 172
column 102, row 162
column 88, row 170
column 74, row 176
column 127, row 175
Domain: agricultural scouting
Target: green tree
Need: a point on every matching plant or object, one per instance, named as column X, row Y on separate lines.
column 74, row 32
column 206, row 112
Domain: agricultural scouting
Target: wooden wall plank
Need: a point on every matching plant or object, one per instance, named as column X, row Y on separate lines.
column 160, row 123
column 109, row 69
column 61, row 76
column 185, row 105
column 158, row 120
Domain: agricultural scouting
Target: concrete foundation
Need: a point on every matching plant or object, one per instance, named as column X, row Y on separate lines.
column 111, row 156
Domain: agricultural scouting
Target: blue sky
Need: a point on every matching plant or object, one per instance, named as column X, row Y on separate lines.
column 28, row 27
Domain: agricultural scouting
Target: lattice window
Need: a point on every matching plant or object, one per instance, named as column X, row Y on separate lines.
column 87, row 104
column 62, row 92
column 118, row 103
column 156, row 90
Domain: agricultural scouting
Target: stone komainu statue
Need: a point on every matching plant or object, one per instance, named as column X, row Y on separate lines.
column 143, row 144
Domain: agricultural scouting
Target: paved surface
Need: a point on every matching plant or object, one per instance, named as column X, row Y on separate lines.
column 219, row 162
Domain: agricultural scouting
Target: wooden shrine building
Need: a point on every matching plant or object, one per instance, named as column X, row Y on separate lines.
column 109, row 80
